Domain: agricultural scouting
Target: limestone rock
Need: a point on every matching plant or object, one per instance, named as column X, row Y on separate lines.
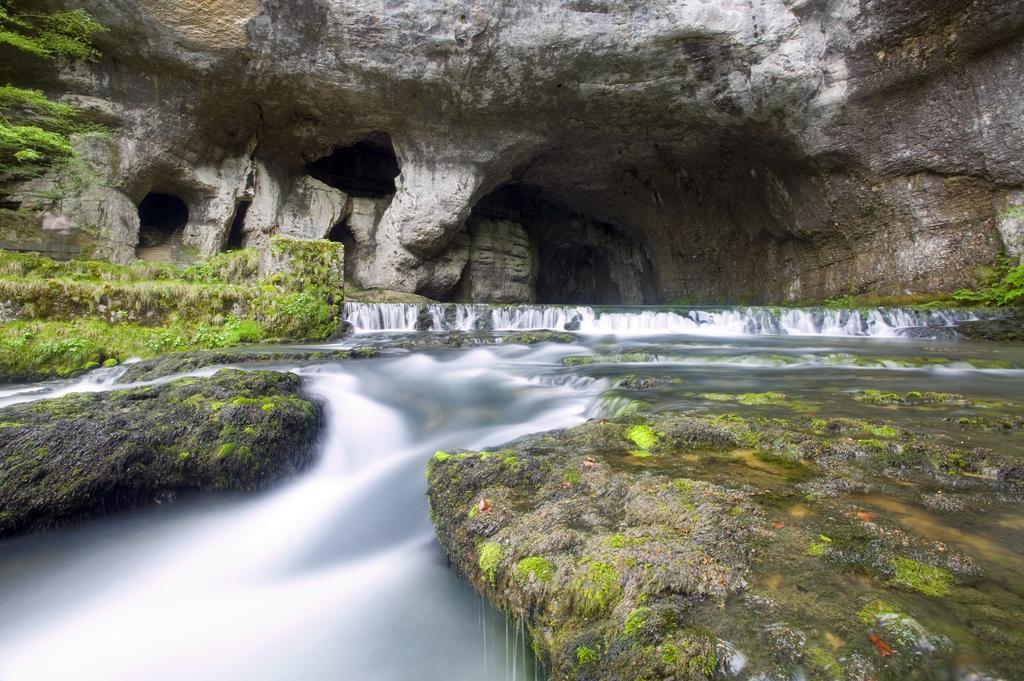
column 764, row 150
column 502, row 266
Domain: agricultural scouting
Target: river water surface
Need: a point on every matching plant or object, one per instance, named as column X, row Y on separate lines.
column 337, row 575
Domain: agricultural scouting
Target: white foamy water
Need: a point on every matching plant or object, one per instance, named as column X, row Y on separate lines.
column 749, row 321
column 334, row 576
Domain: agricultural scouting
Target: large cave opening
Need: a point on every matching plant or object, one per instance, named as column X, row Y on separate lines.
column 366, row 169
column 526, row 245
column 162, row 220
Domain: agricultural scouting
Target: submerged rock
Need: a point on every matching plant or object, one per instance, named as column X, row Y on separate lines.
column 92, row 453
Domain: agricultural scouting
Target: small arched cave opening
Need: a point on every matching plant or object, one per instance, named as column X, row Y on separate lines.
column 236, row 233
column 528, row 246
column 368, row 168
column 162, row 220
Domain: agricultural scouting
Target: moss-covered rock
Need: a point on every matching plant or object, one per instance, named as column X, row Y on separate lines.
column 678, row 546
column 602, row 559
column 91, row 453
column 183, row 362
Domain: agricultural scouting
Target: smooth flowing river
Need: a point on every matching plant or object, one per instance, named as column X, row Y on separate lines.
column 337, row 575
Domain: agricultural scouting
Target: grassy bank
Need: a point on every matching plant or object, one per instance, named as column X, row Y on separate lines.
column 61, row 318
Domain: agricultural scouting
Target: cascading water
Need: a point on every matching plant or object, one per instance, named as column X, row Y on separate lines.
column 336, row 575
column 749, row 321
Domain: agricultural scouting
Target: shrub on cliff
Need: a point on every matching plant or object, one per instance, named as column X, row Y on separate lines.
column 35, row 131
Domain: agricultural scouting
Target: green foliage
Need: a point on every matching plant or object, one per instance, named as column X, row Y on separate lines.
column 1003, row 288
column 635, row 622
column 234, row 267
column 66, row 33
column 94, row 312
column 35, row 132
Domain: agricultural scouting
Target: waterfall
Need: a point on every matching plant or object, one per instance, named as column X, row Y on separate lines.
column 365, row 317
column 739, row 321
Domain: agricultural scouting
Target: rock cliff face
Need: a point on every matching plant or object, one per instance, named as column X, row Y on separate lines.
column 760, row 150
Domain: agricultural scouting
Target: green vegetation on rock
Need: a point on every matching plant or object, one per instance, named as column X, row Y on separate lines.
column 491, row 554
column 586, row 656
column 927, row 579
column 1004, row 287
column 643, row 436
column 535, row 567
column 596, row 587
column 75, row 315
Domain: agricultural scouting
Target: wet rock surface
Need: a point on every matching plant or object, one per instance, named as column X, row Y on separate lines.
column 92, row 453
column 1009, row 328
column 696, row 546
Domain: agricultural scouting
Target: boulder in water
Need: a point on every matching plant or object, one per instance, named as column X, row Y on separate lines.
column 90, row 453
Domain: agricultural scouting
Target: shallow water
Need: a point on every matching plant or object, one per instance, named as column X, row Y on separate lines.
column 338, row 574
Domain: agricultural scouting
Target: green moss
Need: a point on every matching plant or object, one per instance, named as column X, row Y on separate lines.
column 671, row 655
column 818, row 548
column 596, row 587
column 754, row 399
column 442, row 456
column 225, row 449
column 825, row 662
column 927, row 579
column 491, row 554
column 586, row 656
column 875, row 610
column 718, row 397
column 635, row 622
column 643, row 436
column 578, row 360
column 883, row 431
column 572, row 476
column 535, row 567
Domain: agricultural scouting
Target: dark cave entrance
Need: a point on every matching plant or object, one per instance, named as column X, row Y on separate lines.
column 576, row 275
column 162, row 220
column 367, row 168
column 236, row 234
column 578, row 258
